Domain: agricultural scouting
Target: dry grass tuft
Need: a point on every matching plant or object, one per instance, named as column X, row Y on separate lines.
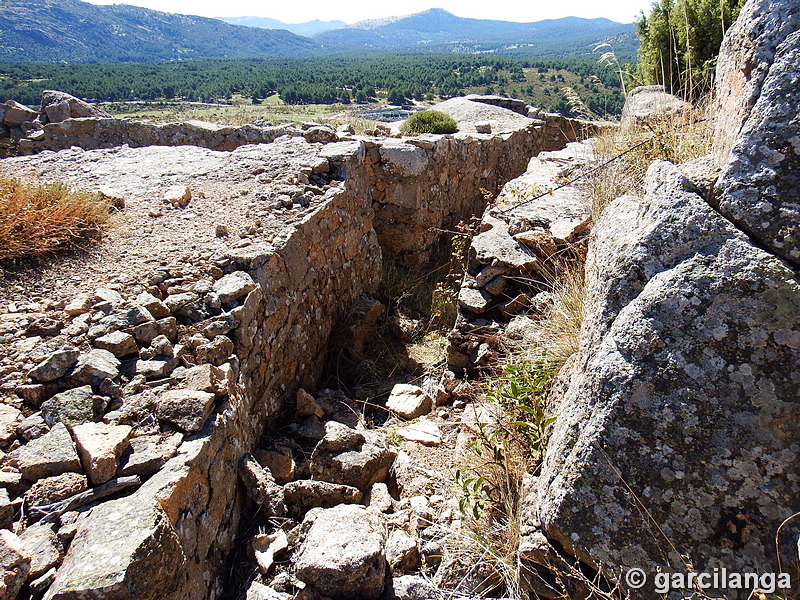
column 678, row 138
column 557, row 333
column 40, row 218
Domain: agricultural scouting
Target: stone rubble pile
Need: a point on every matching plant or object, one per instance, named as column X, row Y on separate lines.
column 522, row 244
column 113, row 385
column 334, row 519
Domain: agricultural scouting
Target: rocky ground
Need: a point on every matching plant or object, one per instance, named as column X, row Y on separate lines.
column 115, row 354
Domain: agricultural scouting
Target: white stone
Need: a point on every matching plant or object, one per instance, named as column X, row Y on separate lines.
column 409, row 401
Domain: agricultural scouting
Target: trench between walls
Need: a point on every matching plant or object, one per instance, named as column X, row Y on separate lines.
column 400, row 199
column 394, row 200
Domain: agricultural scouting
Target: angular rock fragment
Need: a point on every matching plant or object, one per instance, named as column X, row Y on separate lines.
column 359, row 467
column 41, row 544
column 424, row 431
column 100, row 446
column 10, row 419
column 261, row 487
column 148, row 453
column 7, row 511
column 411, row 587
column 52, row 454
column 124, row 549
column 342, row 554
column 15, row 564
column 233, row 286
column 54, row 366
column 72, row 407
column 188, row 409
column 409, row 401
column 280, row 464
column 55, row 489
column 402, row 552
column 216, row 352
column 309, row 493
column 306, row 405
column 153, row 305
column 118, row 343
column 95, row 366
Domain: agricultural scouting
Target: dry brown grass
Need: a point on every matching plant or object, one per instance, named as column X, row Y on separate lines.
column 38, row 218
column 557, row 333
column 677, row 138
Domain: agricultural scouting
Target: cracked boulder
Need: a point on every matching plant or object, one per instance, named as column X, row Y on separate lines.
column 758, row 186
column 685, row 393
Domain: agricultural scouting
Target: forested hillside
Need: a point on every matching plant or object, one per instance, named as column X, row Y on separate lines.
column 75, row 31
column 396, row 78
column 437, row 30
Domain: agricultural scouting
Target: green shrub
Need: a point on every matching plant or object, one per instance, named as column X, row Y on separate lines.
column 429, row 121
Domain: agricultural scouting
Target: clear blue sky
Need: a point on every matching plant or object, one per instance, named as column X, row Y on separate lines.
column 295, row 12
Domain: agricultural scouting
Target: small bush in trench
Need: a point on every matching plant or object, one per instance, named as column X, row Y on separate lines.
column 428, row 121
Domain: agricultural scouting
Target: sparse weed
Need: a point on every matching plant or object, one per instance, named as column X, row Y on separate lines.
column 677, row 138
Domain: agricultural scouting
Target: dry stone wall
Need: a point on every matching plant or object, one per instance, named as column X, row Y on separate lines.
column 257, row 331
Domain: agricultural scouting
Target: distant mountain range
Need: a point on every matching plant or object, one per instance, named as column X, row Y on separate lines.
column 437, row 30
column 76, row 31
column 307, row 28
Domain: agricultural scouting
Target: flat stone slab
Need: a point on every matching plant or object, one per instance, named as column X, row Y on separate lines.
column 52, row 454
column 100, row 446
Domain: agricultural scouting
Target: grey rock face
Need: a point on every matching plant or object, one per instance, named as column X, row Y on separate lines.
column 125, row 549
column 759, row 187
column 744, row 60
column 342, row 552
column 684, row 393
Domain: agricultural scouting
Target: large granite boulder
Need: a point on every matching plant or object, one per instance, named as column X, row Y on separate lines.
column 759, row 186
column 651, row 102
column 342, row 552
column 125, row 549
column 745, row 58
column 59, row 106
column 675, row 440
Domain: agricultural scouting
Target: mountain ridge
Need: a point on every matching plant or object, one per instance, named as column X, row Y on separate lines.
column 74, row 31
column 439, row 30
column 306, row 28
